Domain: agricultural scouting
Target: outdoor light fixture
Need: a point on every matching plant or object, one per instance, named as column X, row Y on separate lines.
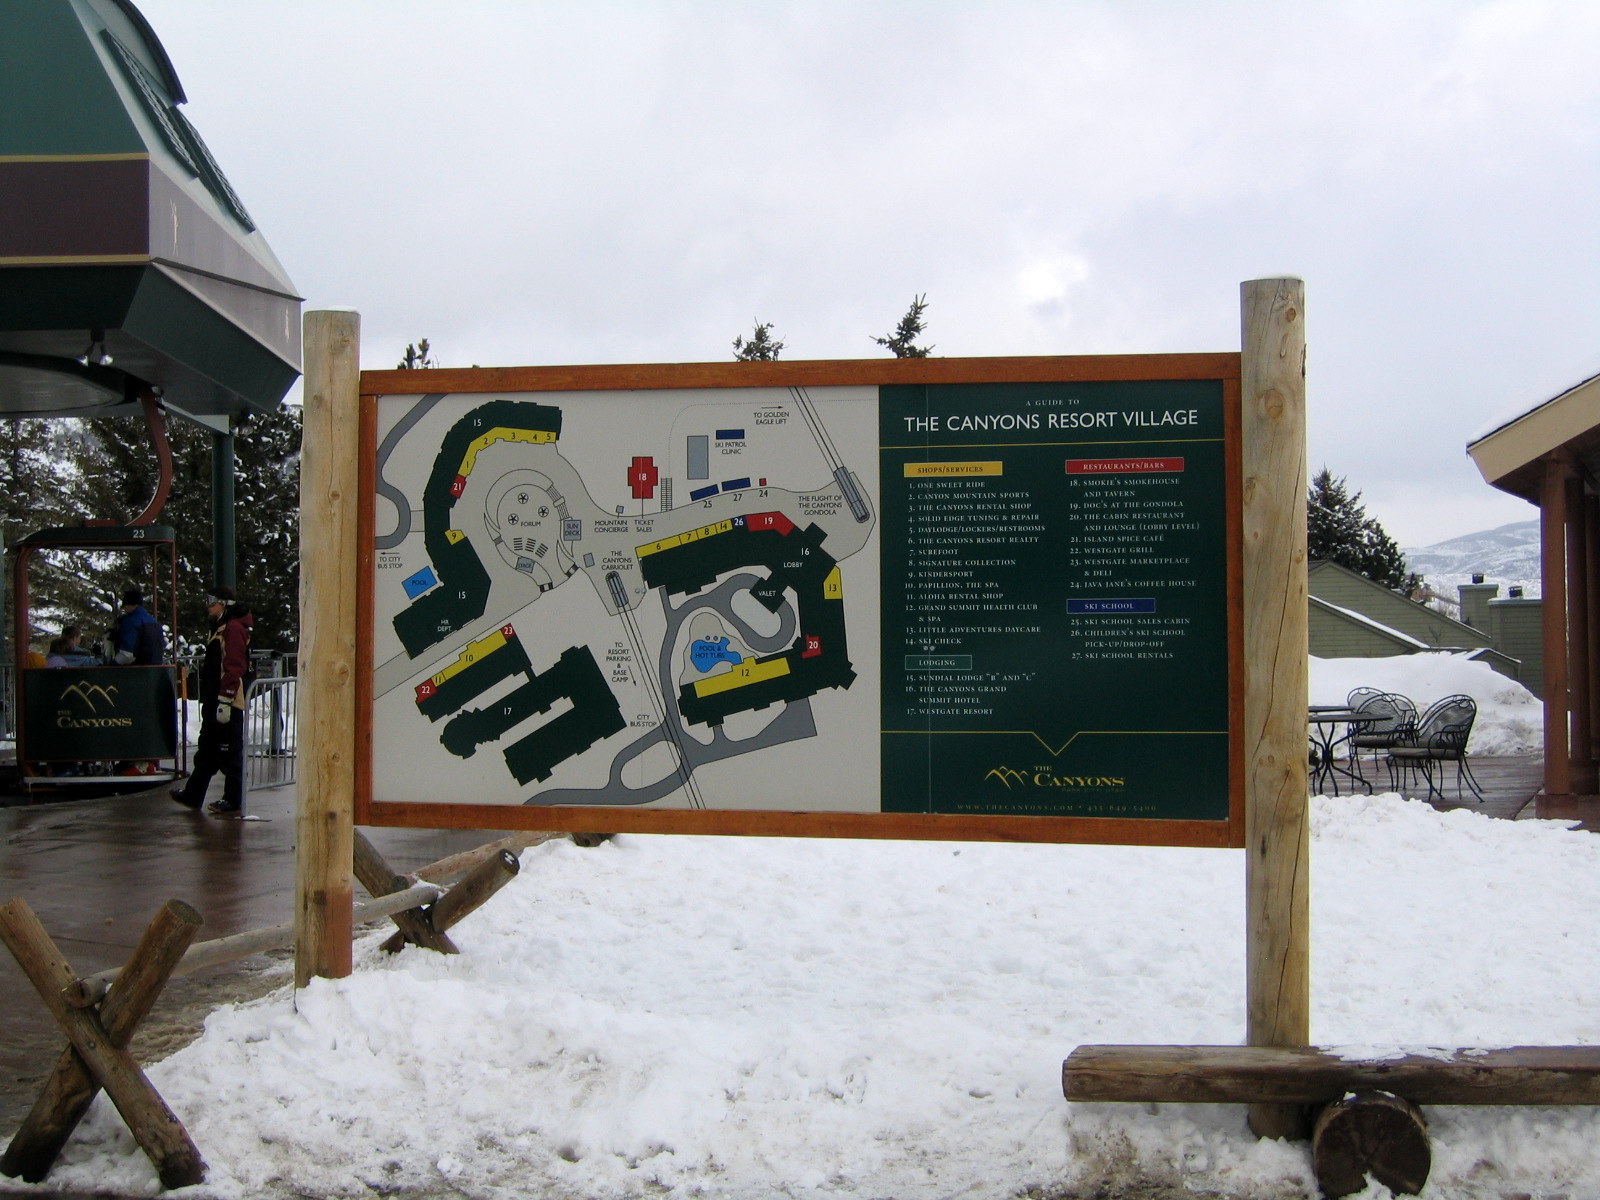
column 42, row 383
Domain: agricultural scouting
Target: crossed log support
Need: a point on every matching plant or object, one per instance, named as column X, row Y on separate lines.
column 428, row 925
column 100, row 1013
column 97, row 1056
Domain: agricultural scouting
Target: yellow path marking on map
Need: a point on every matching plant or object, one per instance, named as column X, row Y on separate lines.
column 833, row 586
column 473, row 652
column 741, row 675
column 682, row 539
column 455, row 535
column 502, row 433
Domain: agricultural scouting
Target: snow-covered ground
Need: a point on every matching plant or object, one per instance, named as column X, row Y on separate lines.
column 701, row 1017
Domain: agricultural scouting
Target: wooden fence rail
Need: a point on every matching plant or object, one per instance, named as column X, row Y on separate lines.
column 91, row 988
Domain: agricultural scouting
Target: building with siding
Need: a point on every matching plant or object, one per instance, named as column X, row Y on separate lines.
column 1353, row 617
column 1549, row 455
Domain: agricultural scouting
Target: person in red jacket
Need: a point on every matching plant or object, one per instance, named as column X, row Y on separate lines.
column 223, row 682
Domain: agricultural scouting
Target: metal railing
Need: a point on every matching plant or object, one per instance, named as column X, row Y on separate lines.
column 270, row 749
column 8, row 702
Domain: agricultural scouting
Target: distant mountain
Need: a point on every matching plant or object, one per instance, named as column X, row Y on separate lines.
column 1508, row 556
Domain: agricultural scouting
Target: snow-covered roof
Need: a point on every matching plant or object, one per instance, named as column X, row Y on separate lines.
column 1504, row 454
column 1531, row 402
column 1379, row 626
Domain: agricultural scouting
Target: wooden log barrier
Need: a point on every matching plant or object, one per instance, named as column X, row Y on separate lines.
column 158, row 1132
column 71, row 1088
column 482, row 882
column 1370, row 1133
column 453, row 865
column 1308, row 1075
column 473, row 892
column 91, row 988
column 380, row 879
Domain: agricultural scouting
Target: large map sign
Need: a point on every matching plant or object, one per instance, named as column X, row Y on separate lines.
column 923, row 598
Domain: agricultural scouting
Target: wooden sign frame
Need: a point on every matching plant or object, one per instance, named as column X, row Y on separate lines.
column 1224, row 368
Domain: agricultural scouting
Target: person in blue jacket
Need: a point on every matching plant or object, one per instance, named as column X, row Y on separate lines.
column 136, row 638
column 72, row 653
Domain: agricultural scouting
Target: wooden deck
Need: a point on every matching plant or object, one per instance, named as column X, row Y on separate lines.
column 1511, row 788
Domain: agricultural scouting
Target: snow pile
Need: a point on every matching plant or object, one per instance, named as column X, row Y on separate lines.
column 700, row 1017
column 1510, row 717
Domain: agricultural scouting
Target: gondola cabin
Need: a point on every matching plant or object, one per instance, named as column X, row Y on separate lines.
column 105, row 725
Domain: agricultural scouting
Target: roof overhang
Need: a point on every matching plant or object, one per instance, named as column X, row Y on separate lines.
column 123, row 246
column 1510, row 457
column 115, row 245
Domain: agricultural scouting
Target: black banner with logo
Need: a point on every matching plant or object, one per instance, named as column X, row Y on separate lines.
column 90, row 713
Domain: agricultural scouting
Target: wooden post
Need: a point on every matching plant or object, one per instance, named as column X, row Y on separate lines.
column 1277, row 831
column 1553, row 572
column 329, row 474
column 1583, row 772
column 1591, row 600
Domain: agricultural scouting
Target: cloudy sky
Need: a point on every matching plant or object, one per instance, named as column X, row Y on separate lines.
column 562, row 182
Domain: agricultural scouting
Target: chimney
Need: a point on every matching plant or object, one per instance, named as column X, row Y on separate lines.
column 1475, row 597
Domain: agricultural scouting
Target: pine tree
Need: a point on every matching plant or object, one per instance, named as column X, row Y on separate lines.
column 1339, row 529
column 418, row 357
column 760, row 346
column 902, row 343
column 267, row 525
column 34, row 486
column 117, row 473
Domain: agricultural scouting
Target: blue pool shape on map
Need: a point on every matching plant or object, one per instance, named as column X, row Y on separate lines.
column 708, row 652
column 416, row 584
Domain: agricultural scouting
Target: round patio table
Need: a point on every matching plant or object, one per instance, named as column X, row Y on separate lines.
column 1325, row 737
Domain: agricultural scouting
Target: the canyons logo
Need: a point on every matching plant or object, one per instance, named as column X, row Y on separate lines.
column 100, row 701
column 1044, row 777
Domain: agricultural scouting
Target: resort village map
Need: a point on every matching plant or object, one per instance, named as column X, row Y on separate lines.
column 605, row 598
column 986, row 599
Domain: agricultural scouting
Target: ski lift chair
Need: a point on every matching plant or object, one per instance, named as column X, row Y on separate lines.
column 1441, row 737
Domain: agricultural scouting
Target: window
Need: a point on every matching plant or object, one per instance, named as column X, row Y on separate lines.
column 181, row 137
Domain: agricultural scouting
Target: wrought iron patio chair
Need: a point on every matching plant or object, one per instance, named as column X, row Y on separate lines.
column 1359, row 696
column 1390, row 720
column 1441, row 737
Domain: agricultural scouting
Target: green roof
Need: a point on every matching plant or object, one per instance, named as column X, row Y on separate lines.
column 123, row 236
